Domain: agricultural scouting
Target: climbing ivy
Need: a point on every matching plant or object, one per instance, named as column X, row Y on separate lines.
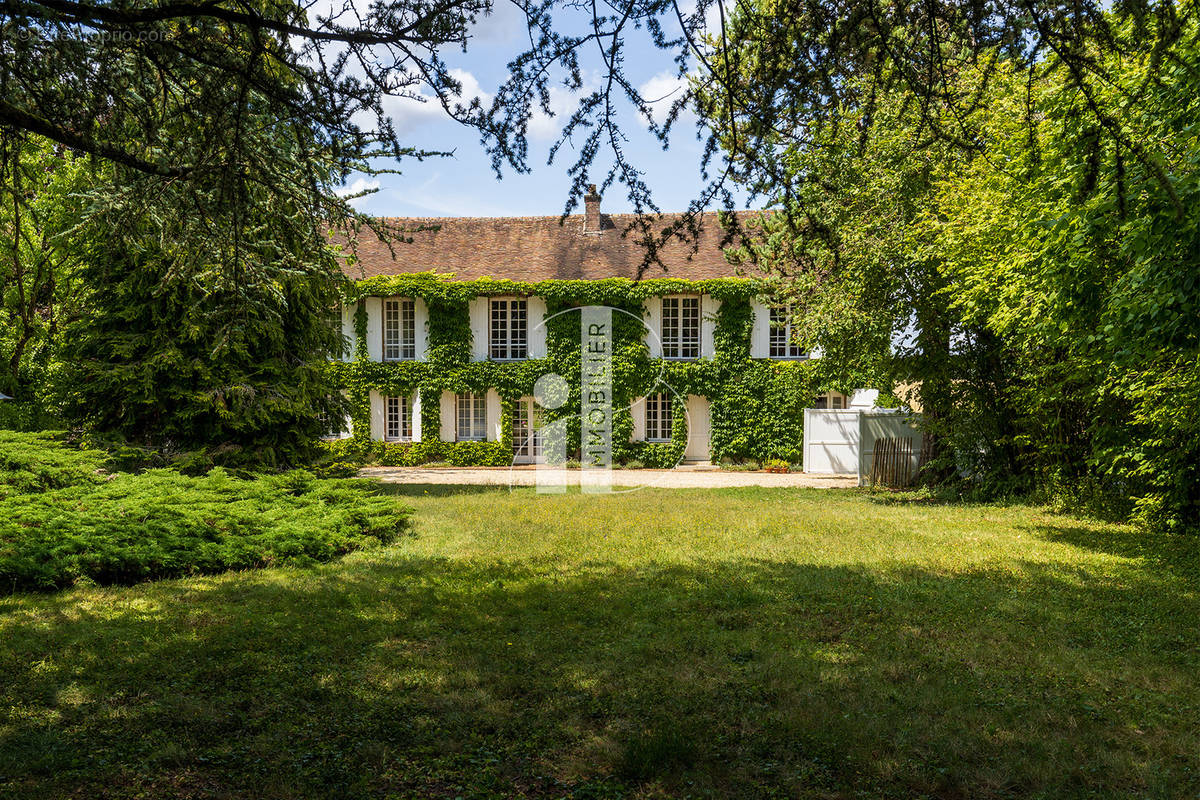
column 757, row 405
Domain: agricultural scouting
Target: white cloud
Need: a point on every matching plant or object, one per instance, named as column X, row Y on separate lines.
column 563, row 102
column 411, row 112
column 504, row 23
column 660, row 92
column 357, row 186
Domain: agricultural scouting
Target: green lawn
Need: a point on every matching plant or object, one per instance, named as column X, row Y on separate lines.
column 732, row 643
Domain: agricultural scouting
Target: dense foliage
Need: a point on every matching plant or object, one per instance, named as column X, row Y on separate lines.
column 757, row 404
column 1043, row 272
column 62, row 521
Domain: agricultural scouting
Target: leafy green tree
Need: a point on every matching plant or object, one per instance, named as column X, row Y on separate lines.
column 1045, row 261
column 38, row 182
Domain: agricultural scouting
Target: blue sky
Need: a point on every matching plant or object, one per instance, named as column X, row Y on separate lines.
column 465, row 185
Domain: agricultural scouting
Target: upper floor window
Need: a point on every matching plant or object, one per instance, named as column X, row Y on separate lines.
column 658, row 418
column 782, row 339
column 681, row 327
column 509, row 330
column 399, row 329
column 397, row 419
column 472, row 418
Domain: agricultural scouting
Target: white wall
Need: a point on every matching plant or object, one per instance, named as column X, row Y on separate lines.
column 831, row 441
column 638, row 410
column 478, row 309
column 449, row 413
column 760, row 333
column 377, row 415
column 864, row 398
column 537, row 332
column 492, row 400
column 374, row 327
column 709, row 306
column 652, row 313
column 421, row 320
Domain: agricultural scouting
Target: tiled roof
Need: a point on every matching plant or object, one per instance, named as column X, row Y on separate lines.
column 536, row 248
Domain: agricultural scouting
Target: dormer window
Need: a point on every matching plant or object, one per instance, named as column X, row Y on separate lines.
column 782, row 342
column 509, row 330
column 680, row 327
column 399, row 329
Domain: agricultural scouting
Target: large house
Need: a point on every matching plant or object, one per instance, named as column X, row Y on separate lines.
column 447, row 335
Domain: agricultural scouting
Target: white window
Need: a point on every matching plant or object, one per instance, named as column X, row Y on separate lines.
column 472, row 418
column 399, row 329
column 333, row 425
column 832, row 400
column 658, row 418
column 397, row 419
column 782, row 339
column 509, row 330
column 527, row 438
column 681, row 327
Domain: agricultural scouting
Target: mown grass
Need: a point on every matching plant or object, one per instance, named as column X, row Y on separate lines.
column 726, row 643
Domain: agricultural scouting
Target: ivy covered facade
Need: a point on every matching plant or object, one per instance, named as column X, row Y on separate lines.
column 440, row 366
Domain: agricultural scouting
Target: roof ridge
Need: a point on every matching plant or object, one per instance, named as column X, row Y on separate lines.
column 535, row 217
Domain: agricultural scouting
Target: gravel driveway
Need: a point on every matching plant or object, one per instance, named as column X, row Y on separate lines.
column 663, row 478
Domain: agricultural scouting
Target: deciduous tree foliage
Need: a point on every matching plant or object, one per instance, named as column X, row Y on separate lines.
column 1045, row 267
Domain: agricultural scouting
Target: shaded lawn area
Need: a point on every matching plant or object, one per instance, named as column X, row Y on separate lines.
column 708, row 643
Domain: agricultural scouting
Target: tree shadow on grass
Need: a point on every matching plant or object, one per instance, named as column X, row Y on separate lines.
column 1175, row 553
column 425, row 677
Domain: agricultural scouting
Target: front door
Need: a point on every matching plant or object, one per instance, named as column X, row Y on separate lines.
column 699, row 429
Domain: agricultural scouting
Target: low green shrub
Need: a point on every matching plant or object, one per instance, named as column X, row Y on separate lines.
column 161, row 524
column 37, row 462
column 27, row 416
column 424, row 453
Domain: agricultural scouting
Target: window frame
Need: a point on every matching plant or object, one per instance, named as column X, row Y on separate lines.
column 677, row 346
column 405, row 344
column 329, row 432
column 660, row 408
column 476, row 415
column 791, row 350
column 512, row 343
column 403, row 418
column 526, row 430
column 824, row 401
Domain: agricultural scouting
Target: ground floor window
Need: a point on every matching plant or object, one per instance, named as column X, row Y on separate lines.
column 658, row 418
column 527, row 439
column 334, row 426
column 397, row 419
column 472, row 418
column 832, row 400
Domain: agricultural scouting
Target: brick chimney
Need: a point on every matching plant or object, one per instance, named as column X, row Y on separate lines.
column 591, row 210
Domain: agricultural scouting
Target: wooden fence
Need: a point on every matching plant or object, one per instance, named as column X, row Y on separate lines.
column 891, row 464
